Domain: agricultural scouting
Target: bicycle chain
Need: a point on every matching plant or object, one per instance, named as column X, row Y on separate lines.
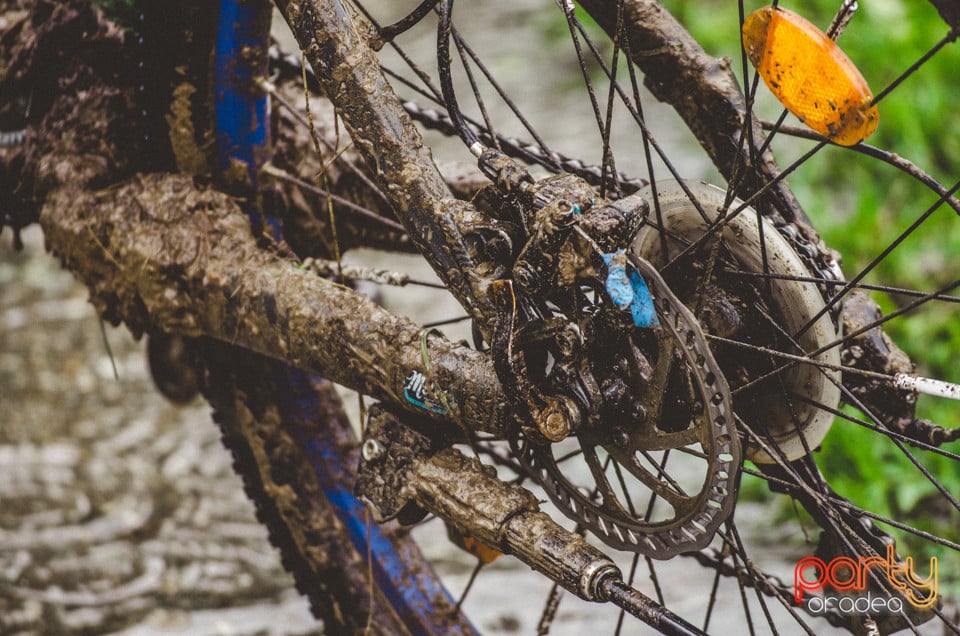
column 518, row 149
column 433, row 119
column 816, row 256
column 769, row 584
column 772, row 585
column 820, row 261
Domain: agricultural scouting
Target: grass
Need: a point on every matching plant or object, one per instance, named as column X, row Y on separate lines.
column 859, row 205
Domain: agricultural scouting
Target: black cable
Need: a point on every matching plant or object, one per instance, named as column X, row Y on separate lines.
column 446, row 80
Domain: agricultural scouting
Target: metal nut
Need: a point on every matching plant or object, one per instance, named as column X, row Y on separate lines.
column 568, row 341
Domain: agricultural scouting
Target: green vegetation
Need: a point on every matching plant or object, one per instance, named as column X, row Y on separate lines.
column 860, row 205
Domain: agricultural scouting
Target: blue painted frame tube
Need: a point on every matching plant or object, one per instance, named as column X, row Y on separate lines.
column 241, row 104
column 242, row 120
column 405, row 579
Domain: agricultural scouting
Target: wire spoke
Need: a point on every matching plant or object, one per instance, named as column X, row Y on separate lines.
column 895, row 160
column 895, row 291
column 477, row 95
column 947, row 39
column 506, row 99
column 338, row 156
column 447, row 321
column 711, row 600
column 855, row 401
column 469, row 586
column 790, row 487
column 849, row 336
column 388, row 33
column 878, row 259
column 721, row 222
column 638, row 119
column 370, row 215
column 575, row 28
column 877, row 428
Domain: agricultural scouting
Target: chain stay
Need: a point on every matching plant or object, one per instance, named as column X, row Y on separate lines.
column 476, row 503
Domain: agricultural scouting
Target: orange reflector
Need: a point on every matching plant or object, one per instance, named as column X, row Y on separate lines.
column 480, row 550
column 477, row 548
column 810, row 75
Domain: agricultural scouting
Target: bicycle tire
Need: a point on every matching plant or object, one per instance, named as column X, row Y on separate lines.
column 369, row 576
column 268, row 415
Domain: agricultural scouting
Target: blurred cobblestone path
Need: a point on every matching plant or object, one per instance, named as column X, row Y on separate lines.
column 119, row 512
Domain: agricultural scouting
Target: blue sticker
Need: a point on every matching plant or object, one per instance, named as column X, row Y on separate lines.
column 629, row 290
column 641, row 308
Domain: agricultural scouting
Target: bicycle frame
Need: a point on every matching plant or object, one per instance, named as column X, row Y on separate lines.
column 293, row 315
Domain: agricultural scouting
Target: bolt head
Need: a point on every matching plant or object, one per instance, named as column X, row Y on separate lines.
column 557, row 420
column 372, row 450
column 555, row 427
column 621, row 438
column 524, row 277
column 568, row 342
column 638, row 413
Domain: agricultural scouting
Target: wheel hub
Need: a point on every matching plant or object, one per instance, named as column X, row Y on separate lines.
column 753, row 316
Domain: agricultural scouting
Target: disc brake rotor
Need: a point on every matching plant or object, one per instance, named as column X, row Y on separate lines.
column 661, row 477
column 754, row 296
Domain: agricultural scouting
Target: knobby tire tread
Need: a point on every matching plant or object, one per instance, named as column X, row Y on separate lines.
column 301, row 523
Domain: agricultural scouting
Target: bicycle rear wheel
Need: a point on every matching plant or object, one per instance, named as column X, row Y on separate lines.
column 833, row 361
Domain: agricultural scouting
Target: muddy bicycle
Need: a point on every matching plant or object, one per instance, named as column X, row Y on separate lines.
column 642, row 343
